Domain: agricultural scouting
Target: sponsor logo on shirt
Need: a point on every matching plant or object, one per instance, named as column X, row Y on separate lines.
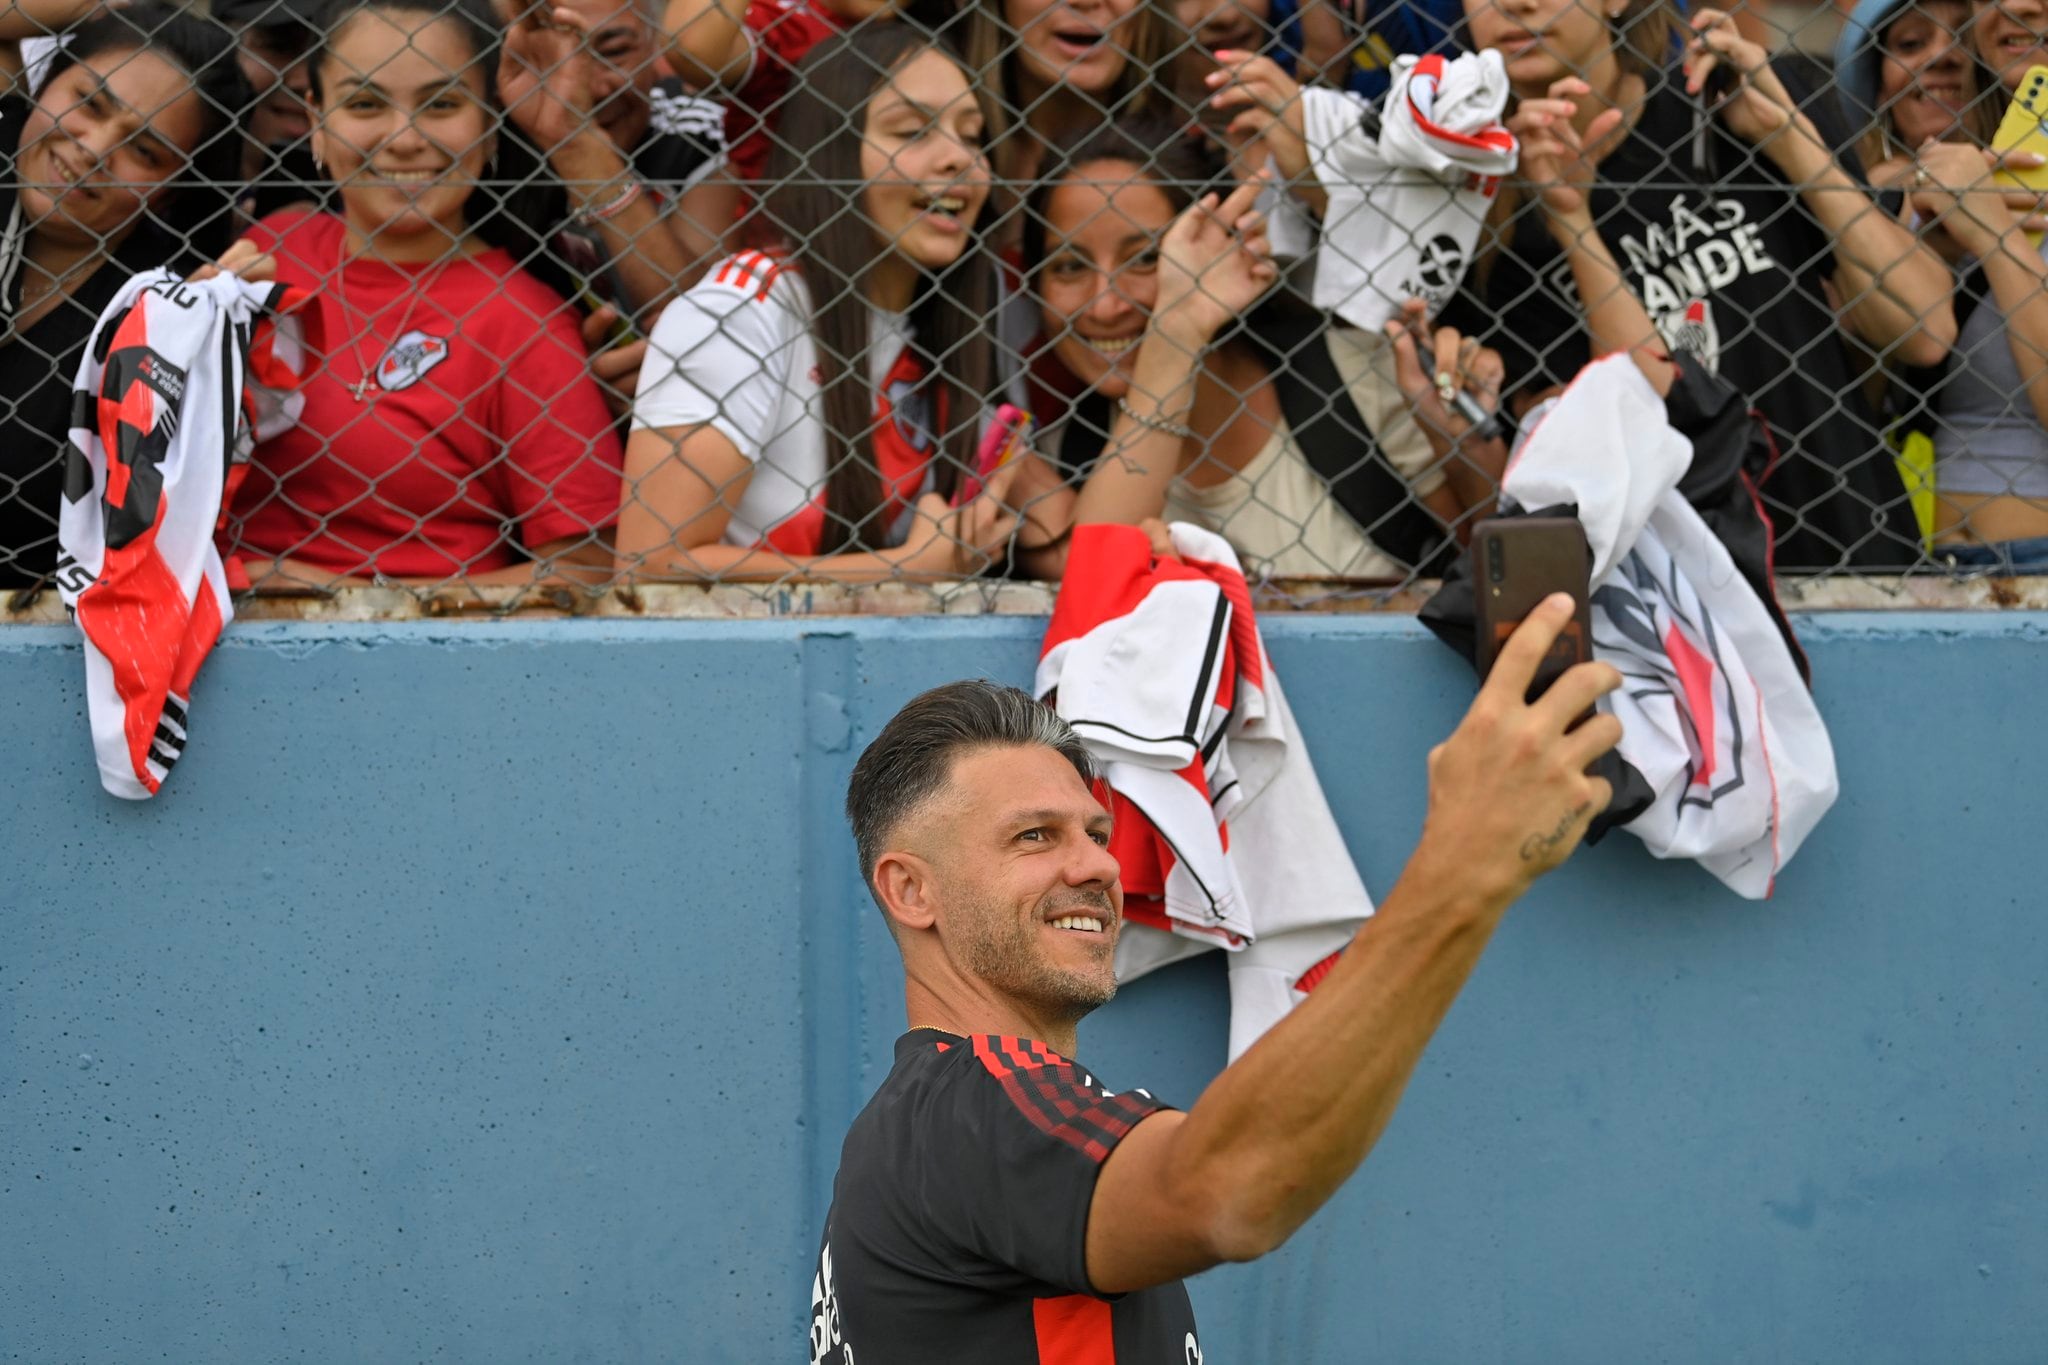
column 409, row 359
column 146, row 430
column 680, row 113
column 827, row 1335
column 167, row 379
column 1439, row 266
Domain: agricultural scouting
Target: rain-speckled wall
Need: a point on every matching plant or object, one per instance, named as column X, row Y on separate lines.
column 500, row 993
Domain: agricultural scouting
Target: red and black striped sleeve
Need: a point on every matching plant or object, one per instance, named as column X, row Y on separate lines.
column 1016, row 1171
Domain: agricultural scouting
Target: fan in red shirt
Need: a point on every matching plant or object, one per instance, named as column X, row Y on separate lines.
column 451, row 428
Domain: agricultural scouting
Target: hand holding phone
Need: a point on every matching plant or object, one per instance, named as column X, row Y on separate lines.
column 2025, row 129
column 1518, row 562
column 1007, row 436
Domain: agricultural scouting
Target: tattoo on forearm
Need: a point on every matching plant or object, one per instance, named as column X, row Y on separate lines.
column 1540, row 845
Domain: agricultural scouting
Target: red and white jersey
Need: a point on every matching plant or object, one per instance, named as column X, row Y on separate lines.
column 1715, row 713
column 1222, row 833
column 1408, row 189
column 162, row 436
column 735, row 353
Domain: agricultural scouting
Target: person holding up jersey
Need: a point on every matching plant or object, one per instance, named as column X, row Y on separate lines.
column 452, row 429
column 129, row 135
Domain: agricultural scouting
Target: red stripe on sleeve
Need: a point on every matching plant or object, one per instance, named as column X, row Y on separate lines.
column 1313, row 977
column 1051, row 1096
column 1073, row 1330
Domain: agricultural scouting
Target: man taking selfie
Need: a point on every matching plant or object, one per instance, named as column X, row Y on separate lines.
column 995, row 1202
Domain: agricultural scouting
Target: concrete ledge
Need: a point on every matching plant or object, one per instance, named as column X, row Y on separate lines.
column 979, row 597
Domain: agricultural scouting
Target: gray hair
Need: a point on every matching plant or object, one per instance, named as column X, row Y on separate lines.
column 911, row 761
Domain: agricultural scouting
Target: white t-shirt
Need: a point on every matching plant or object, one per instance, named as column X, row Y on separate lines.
column 1277, row 511
column 735, row 353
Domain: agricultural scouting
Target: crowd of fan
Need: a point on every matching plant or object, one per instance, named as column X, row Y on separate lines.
column 737, row 291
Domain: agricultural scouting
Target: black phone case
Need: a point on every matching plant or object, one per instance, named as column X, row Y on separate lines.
column 1519, row 561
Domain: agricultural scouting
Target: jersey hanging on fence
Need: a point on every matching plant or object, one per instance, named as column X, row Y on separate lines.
column 1724, row 757
column 1222, row 834
column 160, row 432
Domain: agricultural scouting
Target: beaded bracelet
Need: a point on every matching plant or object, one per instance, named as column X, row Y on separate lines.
column 602, row 213
column 1155, row 423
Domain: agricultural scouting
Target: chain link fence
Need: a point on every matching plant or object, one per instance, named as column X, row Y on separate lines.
column 599, row 295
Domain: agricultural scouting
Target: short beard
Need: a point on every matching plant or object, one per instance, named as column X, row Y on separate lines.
column 1003, row 952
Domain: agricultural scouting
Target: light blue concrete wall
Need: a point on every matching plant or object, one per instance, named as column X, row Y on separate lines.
column 501, row 993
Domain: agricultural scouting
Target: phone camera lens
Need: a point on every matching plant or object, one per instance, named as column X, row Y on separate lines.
column 1496, row 561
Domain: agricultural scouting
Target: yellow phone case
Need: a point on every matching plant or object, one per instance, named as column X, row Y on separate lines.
column 2025, row 129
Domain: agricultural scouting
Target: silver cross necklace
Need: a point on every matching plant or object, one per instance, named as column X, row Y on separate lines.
column 361, row 388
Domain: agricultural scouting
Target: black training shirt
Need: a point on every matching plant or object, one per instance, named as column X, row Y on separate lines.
column 959, row 1218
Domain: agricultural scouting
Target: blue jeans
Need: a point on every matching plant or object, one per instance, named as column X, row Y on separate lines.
column 2002, row 558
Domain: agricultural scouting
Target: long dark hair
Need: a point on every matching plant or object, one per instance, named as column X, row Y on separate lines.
column 813, row 203
column 523, row 204
column 200, row 198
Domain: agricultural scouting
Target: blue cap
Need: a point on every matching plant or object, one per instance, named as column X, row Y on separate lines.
column 1859, row 54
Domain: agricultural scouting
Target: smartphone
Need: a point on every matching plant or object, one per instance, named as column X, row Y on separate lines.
column 1007, row 436
column 2025, row 129
column 1519, row 561
column 622, row 329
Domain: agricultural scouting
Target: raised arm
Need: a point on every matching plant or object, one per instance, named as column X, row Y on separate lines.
column 1558, row 168
column 1213, row 265
column 1961, row 197
column 1896, row 290
column 42, row 18
column 21, row 19
column 545, row 79
column 1286, row 1124
column 708, row 44
column 1428, row 365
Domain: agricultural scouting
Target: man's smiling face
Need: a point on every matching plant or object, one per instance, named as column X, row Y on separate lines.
column 1031, row 901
